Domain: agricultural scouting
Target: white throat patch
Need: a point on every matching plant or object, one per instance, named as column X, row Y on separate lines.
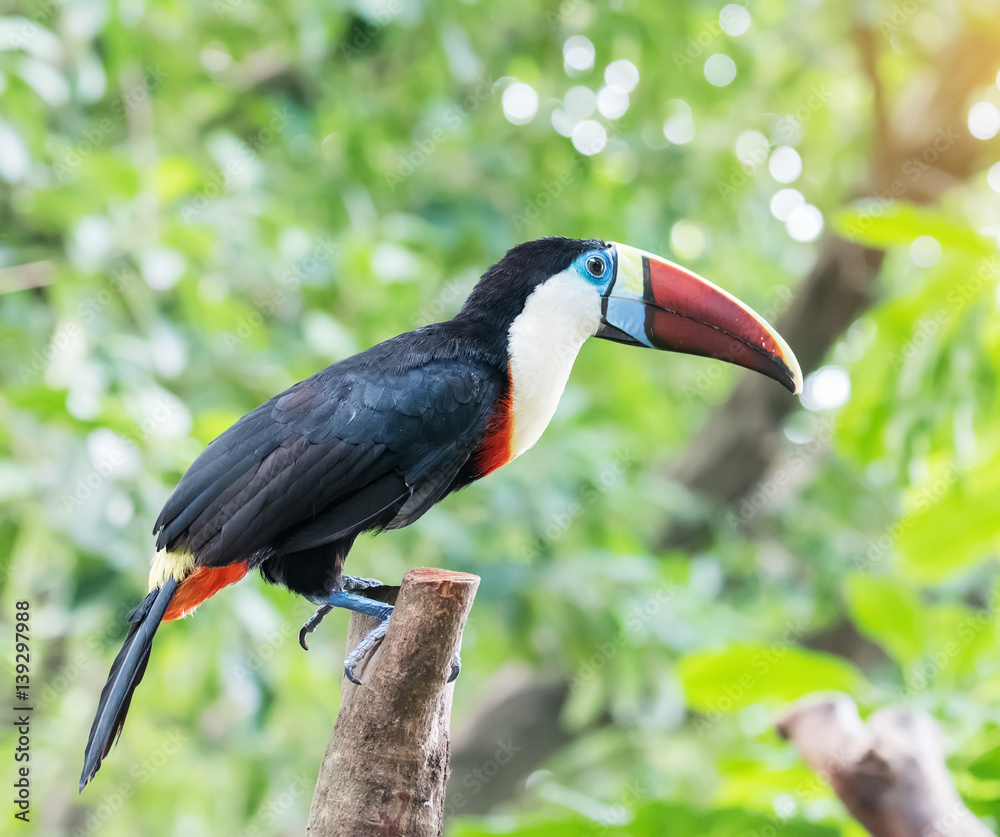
column 542, row 344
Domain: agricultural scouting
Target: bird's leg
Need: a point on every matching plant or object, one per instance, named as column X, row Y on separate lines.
column 359, row 604
column 349, row 584
column 355, row 584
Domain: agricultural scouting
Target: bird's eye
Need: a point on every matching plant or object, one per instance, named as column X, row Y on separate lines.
column 595, row 264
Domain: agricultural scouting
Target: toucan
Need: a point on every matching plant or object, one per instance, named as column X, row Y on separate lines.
column 372, row 442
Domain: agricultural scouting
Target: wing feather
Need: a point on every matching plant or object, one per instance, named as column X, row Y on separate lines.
column 366, row 443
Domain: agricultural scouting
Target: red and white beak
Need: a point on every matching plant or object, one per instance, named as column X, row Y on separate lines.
column 656, row 303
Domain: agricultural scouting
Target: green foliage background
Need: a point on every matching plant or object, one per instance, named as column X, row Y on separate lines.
column 229, row 196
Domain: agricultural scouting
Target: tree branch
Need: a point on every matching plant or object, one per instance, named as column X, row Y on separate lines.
column 386, row 766
column 889, row 772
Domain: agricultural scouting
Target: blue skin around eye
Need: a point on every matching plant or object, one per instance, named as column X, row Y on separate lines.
column 604, row 280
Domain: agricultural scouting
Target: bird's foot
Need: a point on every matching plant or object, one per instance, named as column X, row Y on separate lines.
column 355, row 584
column 349, row 584
column 370, row 607
column 372, row 640
column 359, row 604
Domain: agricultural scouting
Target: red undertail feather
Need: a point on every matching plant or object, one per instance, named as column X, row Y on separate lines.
column 200, row 585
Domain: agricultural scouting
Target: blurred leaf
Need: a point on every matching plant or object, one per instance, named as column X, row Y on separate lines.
column 723, row 681
column 877, row 224
column 951, row 520
column 887, row 612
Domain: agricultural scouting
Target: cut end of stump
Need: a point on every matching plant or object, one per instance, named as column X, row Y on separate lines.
column 444, row 579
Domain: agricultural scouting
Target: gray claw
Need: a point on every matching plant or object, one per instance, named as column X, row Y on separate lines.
column 311, row 624
column 367, row 645
column 456, row 668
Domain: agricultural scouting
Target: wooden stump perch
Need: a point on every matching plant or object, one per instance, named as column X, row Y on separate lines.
column 889, row 772
column 386, row 766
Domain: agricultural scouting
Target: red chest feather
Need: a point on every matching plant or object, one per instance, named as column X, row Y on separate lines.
column 494, row 451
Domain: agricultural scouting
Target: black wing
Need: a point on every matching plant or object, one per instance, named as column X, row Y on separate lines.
column 383, row 431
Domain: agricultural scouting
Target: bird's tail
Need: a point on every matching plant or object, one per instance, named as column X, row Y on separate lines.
column 126, row 672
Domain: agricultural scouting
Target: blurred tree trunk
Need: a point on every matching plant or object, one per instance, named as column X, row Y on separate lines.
column 920, row 149
column 889, row 772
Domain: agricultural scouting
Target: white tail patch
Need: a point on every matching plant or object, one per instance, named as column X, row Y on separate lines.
column 543, row 342
column 164, row 565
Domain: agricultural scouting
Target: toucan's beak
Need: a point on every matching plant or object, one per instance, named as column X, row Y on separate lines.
column 656, row 303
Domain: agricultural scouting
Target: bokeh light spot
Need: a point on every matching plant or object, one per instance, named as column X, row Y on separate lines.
column 612, row 103
column 520, row 103
column 720, row 69
column 578, row 54
column 925, row 251
column 734, row 19
column 580, row 102
column 804, row 223
column 687, row 240
column 827, row 388
column 785, row 202
column 785, row 164
column 984, row 120
column 679, row 126
column 622, row 75
column 590, row 137
column 752, row 148
column 993, row 177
